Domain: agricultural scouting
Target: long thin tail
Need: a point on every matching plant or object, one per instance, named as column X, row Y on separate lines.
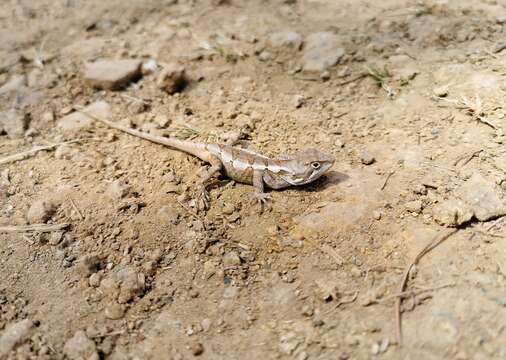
column 193, row 148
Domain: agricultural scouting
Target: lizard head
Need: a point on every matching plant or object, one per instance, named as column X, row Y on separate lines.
column 306, row 166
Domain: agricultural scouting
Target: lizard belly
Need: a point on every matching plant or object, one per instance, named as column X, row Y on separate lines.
column 242, row 175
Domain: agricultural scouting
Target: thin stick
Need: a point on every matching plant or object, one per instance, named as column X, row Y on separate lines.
column 349, row 301
column 34, row 227
column 333, row 254
column 485, row 121
column 398, row 315
column 76, row 209
column 409, row 293
column 468, row 157
column 386, row 179
column 361, row 76
column 25, row 154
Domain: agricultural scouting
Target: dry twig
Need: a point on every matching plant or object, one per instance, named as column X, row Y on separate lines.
column 333, row 254
column 410, row 293
column 349, row 81
column 468, row 157
column 76, row 209
column 434, row 243
column 386, row 180
column 34, row 227
column 25, row 154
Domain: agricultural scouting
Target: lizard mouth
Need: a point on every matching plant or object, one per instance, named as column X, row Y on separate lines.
column 297, row 181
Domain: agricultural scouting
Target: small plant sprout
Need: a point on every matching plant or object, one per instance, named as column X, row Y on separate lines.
column 380, row 77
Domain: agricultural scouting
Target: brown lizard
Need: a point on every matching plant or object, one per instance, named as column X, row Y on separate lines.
column 242, row 165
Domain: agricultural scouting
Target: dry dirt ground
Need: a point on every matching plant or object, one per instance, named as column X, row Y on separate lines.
column 408, row 96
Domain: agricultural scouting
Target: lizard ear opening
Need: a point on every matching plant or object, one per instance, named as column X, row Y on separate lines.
column 315, row 165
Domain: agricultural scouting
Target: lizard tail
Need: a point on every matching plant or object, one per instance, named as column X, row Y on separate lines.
column 193, row 148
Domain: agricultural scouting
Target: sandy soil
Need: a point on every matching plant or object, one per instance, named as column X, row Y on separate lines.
column 408, row 96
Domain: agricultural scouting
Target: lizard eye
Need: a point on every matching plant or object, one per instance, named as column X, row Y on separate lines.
column 315, row 165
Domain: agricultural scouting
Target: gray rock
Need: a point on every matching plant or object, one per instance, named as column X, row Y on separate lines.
column 132, row 284
column 414, row 206
column 94, row 279
column 265, row 56
column 482, row 196
column 452, row 212
column 88, row 264
column 79, row 347
column 172, row 78
column 366, row 158
column 13, row 123
column 326, row 290
column 118, row 189
column 376, row 214
column 13, row 335
column 55, row 238
column 298, row 100
column 65, row 151
column 112, row 74
column 206, row 324
column 40, row 212
column 114, row 311
column 124, row 285
column 406, row 73
column 441, row 91
column 500, row 19
column 285, row 39
column 231, row 259
column 288, row 342
column 162, row 120
column 149, row 67
column 77, row 120
column 168, row 215
column 321, row 51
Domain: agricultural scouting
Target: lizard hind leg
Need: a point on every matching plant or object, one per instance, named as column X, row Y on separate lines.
column 203, row 198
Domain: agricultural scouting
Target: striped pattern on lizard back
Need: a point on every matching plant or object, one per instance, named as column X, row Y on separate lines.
column 239, row 163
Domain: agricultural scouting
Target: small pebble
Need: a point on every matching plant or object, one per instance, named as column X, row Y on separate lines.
column 415, row 206
column 47, row 117
column 228, row 208
column 298, row 100
column 118, row 189
column 149, row 67
column 55, row 238
column 88, row 264
column 197, row 349
column 206, row 324
column 112, row 74
column 114, row 311
column 307, row 310
column 162, row 120
column 231, row 259
column 325, row 75
column 441, row 91
column 172, row 79
column 94, row 279
column 40, row 212
column 366, row 158
column 265, row 56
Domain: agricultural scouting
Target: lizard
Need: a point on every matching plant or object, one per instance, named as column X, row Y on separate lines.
column 242, row 165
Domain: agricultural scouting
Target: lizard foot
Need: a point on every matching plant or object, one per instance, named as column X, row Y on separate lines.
column 262, row 199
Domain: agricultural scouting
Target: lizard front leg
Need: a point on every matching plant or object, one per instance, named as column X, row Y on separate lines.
column 203, row 199
column 259, row 194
